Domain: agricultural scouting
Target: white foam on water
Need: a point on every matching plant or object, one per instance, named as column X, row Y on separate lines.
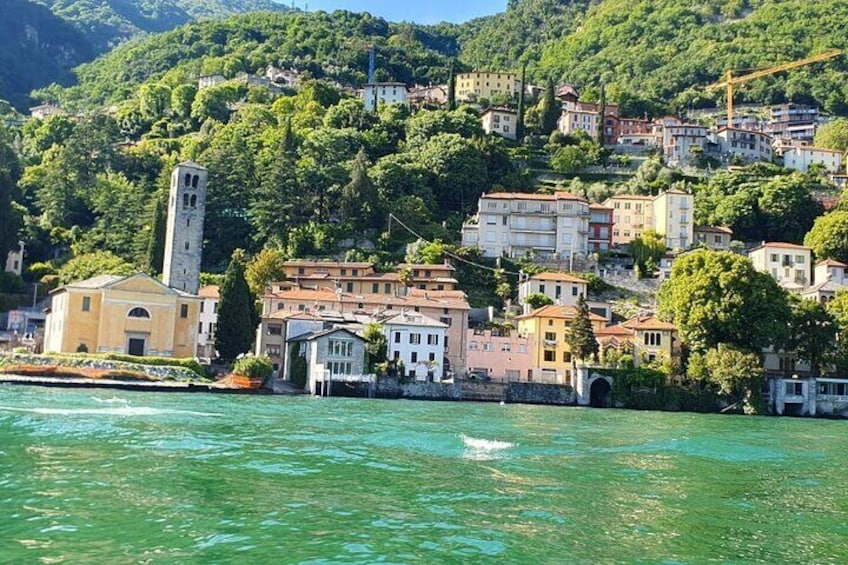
column 113, row 400
column 485, row 444
column 112, row 411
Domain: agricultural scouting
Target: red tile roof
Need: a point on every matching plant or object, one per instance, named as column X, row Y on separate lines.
column 551, row 276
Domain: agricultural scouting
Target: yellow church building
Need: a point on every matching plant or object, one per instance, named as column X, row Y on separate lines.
column 135, row 315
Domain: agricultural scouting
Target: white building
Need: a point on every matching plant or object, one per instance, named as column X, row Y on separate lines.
column 15, row 260
column 384, row 93
column 207, row 322
column 501, row 121
column 801, row 158
column 562, row 288
column 829, row 277
column 749, row 145
column 45, row 111
column 681, row 142
column 417, row 341
column 790, row 264
column 208, row 81
column 335, row 355
column 517, row 224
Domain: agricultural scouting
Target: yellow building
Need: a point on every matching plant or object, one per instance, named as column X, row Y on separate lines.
column 647, row 338
column 551, row 357
column 632, row 214
column 137, row 315
column 477, row 85
column 674, row 217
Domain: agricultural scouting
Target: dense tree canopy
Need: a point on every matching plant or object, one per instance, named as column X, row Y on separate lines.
column 828, row 237
column 718, row 297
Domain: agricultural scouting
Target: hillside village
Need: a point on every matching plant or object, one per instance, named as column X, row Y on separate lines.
column 607, row 253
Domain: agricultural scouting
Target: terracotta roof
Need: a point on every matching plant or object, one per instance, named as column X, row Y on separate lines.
column 594, row 206
column 209, row 291
column 532, row 196
column 453, row 299
column 714, row 229
column 648, row 323
column 311, row 263
column 831, row 263
column 561, row 312
column 630, row 197
column 617, row 330
column 551, row 276
column 500, row 109
column 422, row 266
column 288, row 315
column 780, row 244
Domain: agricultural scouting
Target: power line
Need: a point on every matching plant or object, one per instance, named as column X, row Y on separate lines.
column 448, row 253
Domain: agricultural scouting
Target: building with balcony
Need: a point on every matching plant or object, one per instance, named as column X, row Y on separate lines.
column 647, row 338
column 551, row 359
column 600, row 228
column 790, row 264
column 748, row 145
column 450, row 307
column 682, row 143
column 673, row 217
column 517, row 225
column 829, row 277
column 362, row 277
column 418, row 342
column 330, row 355
column 474, row 86
column 632, row 214
column 500, row 121
column 562, row 288
column 793, row 121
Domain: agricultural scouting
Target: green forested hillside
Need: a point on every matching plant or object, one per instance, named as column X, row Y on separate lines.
column 326, row 45
column 658, row 53
column 36, row 48
column 107, row 23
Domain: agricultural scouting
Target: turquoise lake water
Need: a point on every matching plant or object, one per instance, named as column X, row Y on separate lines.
column 117, row 477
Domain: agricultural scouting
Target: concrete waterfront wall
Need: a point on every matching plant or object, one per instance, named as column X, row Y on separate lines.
column 479, row 391
column 156, row 372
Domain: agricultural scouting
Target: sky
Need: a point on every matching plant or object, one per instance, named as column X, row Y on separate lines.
column 419, row 11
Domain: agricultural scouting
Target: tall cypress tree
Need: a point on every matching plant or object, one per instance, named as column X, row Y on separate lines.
column 237, row 315
column 451, row 88
column 580, row 336
column 549, row 109
column 156, row 245
column 519, row 127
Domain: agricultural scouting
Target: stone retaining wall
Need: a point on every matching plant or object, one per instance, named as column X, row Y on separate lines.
column 480, row 391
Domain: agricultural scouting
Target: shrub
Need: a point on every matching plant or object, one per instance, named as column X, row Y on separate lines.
column 253, row 367
column 190, row 364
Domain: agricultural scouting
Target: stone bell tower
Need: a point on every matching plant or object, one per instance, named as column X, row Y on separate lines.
column 184, row 236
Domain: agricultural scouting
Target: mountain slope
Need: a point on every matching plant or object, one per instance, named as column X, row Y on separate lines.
column 107, row 23
column 657, row 53
column 327, row 45
column 36, row 48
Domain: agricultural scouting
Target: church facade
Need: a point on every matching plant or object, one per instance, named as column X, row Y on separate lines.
column 138, row 314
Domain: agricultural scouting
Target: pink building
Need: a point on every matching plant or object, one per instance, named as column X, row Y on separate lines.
column 499, row 354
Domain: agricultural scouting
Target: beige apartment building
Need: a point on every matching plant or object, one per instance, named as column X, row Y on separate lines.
column 477, row 85
column 669, row 213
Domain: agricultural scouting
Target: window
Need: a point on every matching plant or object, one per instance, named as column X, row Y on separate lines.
column 566, row 357
column 183, row 311
column 200, row 327
column 550, row 336
column 186, row 246
column 446, row 320
column 473, row 346
column 275, row 329
column 774, row 258
column 574, row 291
column 432, row 339
column 375, row 288
column 799, row 259
column 397, row 337
column 653, row 339
column 273, row 350
column 487, row 346
column 139, row 312
column 86, row 304
column 522, row 348
column 794, row 389
column 350, row 287
column 413, row 357
column 201, row 306
column 550, row 356
column 340, row 348
column 415, row 339
column 339, row 367
column 388, row 288
column 432, row 357
column 506, row 347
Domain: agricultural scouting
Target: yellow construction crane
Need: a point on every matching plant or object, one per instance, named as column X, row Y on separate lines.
column 730, row 80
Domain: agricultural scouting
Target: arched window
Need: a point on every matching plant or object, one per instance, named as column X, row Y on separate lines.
column 194, row 180
column 187, row 179
column 138, row 312
column 185, row 200
column 193, row 200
